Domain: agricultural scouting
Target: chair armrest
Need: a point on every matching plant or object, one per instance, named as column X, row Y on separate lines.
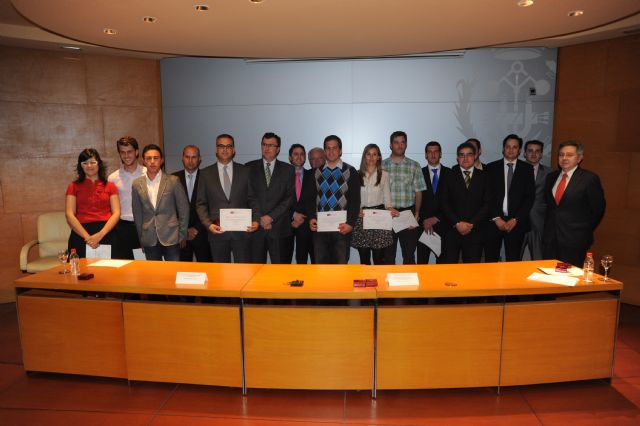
column 24, row 254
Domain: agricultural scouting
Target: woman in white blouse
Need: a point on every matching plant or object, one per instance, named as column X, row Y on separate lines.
column 375, row 193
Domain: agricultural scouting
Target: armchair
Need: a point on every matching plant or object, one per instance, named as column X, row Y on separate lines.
column 53, row 235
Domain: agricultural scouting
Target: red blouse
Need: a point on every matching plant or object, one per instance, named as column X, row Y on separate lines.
column 92, row 200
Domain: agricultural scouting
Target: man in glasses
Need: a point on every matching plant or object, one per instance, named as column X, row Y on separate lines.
column 272, row 182
column 225, row 185
column 466, row 198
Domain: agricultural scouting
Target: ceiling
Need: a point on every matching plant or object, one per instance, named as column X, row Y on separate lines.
column 299, row 29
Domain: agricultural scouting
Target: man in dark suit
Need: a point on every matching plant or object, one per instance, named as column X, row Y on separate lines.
column 225, row 185
column 575, row 207
column 197, row 243
column 533, row 239
column 513, row 187
column 435, row 175
column 272, row 183
column 466, row 198
column 160, row 209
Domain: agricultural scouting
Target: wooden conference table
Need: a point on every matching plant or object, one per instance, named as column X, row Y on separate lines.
column 463, row 326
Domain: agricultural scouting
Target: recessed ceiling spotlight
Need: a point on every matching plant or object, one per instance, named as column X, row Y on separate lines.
column 201, row 7
column 110, row 31
column 575, row 13
column 256, row 1
column 525, row 3
column 149, row 19
column 70, row 48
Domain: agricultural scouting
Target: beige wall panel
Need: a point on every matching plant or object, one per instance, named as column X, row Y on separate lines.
column 11, row 229
column 77, row 336
column 583, row 70
column 26, row 191
column 29, row 224
column 558, row 341
column 123, row 81
column 197, row 344
column 29, row 130
column 438, row 347
column 41, row 76
column 308, row 348
column 623, row 63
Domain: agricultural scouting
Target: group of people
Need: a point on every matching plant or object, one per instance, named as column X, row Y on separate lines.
column 475, row 208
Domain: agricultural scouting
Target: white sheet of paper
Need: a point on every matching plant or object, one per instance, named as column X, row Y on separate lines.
column 553, row 279
column 138, row 254
column 102, row 252
column 377, row 219
column 235, row 219
column 111, row 263
column 571, row 272
column 330, row 221
column 191, row 278
column 433, row 241
column 404, row 221
column 395, row 279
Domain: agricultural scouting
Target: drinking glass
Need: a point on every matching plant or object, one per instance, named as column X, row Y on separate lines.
column 606, row 262
column 63, row 255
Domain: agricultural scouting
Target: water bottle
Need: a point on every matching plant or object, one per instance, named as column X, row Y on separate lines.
column 588, row 267
column 74, row 261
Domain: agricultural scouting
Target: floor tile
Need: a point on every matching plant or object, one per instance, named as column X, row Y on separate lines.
column 65, row 392
column 19, row 417
column 9, row 335
column 629, row 387
column 627, row 362
column 440, row 406
column 165, row 420
column 10, row 374
column 320, row 406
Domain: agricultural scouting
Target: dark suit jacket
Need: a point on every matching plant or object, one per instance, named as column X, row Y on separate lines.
column 278, row 198
column 211, row 198
column 572, row 222
column 194, row 220
column 521, row 193
column 467, row 205
column 539, row 209
column 431, row 202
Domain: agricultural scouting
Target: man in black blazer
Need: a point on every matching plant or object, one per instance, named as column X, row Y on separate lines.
column 225, row 185
column 197, row 242
column 513, row 187
column 466, row 198
column 435, row 176
column 533, row 239
column 575, row 207
column 272, row 183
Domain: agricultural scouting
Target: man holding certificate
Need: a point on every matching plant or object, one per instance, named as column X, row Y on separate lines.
column 332, row 203
column 226, row 205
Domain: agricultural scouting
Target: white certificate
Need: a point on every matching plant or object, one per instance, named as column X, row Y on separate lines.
column 330, row 221
column 404, row 221
column 102, row 252
column 377, row 219
column 433, row 241
column 235, row 219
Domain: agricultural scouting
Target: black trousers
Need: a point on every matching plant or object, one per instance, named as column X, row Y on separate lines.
column 78, row 243
column 262, row 243
column 127, row 240
column 303, row 239
column 512, row 243
column 198, row 246
column 331, row 247
column 222, row 249
column 454, row 245
column 564, row 253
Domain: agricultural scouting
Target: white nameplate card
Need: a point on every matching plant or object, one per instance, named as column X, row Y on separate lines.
column 235, row 219
column 398, row 279
column 102, row 252
column 330, row 221
column 404, row 221
column 191, row 278
column 377, row 219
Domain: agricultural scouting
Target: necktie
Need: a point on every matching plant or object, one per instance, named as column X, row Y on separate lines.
column 434, row 182
column 467, row 178
column 298, row 184
column 267, row 173
column 509, row 177
column 226, row 185
column 190, row 186
column 561, row 187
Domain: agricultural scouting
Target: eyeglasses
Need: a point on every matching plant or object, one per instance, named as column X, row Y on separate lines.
column 269, row 145
column 224, row 146
column 89, row 163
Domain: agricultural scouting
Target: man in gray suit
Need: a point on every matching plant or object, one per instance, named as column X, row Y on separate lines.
column 533, row 239
column 225, row 185
column 160, row 209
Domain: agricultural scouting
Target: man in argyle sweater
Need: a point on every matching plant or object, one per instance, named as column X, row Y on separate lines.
column 334, row 187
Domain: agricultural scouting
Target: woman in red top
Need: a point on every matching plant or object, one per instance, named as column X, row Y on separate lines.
column 92, row 204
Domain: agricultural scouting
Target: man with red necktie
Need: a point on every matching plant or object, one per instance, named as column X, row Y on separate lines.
column 575, row 207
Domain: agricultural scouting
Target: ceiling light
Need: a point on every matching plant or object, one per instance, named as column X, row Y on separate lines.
column 575, row 13
column 149, row 19
column 110, row 31
column 70, row 47
column 525, row 3
column 256, row 1
column 201, row 7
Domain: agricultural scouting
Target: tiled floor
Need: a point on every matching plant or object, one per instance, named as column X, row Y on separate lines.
column 53, row 399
